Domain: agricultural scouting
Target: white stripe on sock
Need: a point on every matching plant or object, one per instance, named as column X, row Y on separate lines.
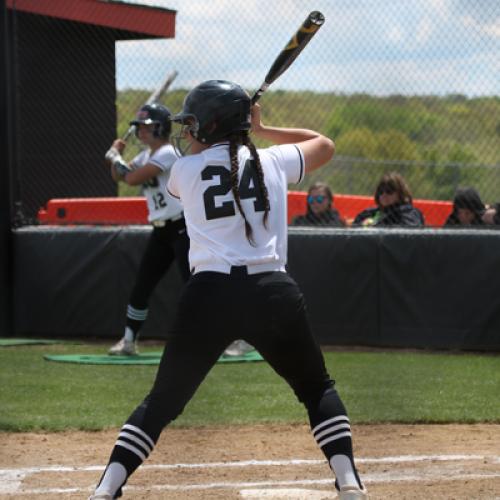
column 141, row 433
column 330, row 421
column 331, row 429
column 333, row 438
column 137, row 440
column 137, row 314
column 131, row 448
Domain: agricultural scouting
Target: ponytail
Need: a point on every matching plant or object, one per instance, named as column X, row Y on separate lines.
column 236, row 140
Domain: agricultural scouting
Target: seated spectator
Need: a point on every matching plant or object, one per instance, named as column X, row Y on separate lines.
column 491, row 216
column 394, row 205
column 320, row 211
column 468, row 209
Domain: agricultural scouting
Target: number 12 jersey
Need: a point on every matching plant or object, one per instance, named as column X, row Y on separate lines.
column 161, row 206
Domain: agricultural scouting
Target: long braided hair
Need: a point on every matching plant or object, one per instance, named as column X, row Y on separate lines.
column 236, row 140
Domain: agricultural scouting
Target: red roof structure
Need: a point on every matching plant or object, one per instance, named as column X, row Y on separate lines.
column 150, row 21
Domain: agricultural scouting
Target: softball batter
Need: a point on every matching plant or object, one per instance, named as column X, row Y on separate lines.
column 168, row 240
column 234, row 200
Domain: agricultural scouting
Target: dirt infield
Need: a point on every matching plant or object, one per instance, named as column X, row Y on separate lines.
column 280, row 462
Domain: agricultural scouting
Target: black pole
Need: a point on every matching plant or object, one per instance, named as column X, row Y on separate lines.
column 6, row 205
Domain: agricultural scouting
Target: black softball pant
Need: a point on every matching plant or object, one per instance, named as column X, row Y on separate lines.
column 267, row 310
column 165, row 245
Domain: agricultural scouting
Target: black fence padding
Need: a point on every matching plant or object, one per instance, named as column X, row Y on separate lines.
column 414, row 288
column 440, row 288
column 77, row 281
column 337, row 272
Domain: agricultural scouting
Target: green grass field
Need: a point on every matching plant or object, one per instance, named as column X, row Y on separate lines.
column 377, row 387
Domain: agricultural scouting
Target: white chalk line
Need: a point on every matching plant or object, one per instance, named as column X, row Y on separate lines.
column 367, row 478
column 258, row 463
column 11, row 478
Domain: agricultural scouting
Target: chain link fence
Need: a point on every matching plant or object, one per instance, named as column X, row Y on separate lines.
column 411, row 87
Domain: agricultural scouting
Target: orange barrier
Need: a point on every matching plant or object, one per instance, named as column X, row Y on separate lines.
column 133, row 210
column 435, row 212
column 129, row 210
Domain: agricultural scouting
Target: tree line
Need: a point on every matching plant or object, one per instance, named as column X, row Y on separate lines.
column 437, row 142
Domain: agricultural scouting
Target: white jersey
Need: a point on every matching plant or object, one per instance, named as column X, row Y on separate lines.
column 215, row 226
column 161, row 205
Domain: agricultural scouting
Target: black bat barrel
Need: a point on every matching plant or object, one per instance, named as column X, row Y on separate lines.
column 293, row 48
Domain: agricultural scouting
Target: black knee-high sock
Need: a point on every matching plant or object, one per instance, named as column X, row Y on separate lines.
column 332, row 431
column 132, row 447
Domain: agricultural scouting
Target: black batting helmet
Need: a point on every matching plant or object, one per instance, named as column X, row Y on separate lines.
column 214, row 109
column 156, row 114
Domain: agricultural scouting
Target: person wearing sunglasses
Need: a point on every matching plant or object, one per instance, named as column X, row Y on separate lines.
column 320, row 211
column 394, row 205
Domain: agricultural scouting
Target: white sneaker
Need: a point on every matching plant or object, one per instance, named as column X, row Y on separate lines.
column 353, row 493
column 238, row 348
column 101, row 496
column 123, row 348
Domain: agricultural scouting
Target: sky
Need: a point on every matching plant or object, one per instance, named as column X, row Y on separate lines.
column 381, row 47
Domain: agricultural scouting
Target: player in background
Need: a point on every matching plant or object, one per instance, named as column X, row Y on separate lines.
column 168, row 240
column 235, row 204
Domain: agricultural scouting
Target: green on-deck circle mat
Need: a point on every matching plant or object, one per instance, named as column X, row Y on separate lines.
column 149, row 358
